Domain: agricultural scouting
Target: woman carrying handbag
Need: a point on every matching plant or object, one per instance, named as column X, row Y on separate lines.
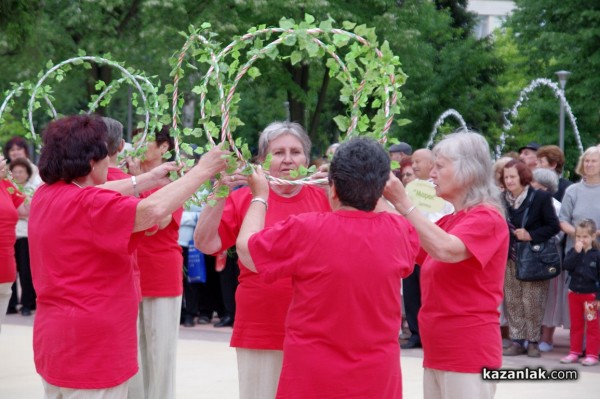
column 531, row 220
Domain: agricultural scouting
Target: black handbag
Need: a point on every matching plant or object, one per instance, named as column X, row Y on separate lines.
column 537, row 262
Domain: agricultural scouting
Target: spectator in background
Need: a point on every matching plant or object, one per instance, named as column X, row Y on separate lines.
column 399, row 151
column 406, row 173
column 21, row 173
column 525, row 300
column 556, row 313
column 422, row 163
column 17, row 147
column 551, row 157
column 581, row 200
column 12, row 206
column 528, row 154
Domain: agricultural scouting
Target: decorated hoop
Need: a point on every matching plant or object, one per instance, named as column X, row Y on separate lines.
column 129, row 77
column 372, row 62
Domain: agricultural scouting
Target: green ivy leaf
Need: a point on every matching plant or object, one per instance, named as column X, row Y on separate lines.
column 254, row 72
column 285, row 23
column 296, row 57
column 267, row 162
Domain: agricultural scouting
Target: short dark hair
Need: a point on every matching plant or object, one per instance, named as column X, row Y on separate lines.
column 22, row 162
column 359, row 170
column 15, row 141
column 69, row 145
column 525, row 174
column 161, row 136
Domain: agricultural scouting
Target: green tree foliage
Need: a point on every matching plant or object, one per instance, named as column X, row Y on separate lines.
column 447, row 67
column 559, row 35
column 444, row 71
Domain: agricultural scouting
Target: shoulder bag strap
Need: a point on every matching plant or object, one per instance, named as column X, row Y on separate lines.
column 524, row 220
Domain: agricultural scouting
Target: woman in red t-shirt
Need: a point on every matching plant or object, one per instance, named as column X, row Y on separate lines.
column 12, row 205
column 261, row 308
column 341, row 338
column 160, row 261
column 81, row 239
column 462, row 272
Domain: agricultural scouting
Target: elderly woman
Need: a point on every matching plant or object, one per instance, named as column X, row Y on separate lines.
column 556, row 313
column 581, row 199
column 12, row 205
column 81, row 238
column 22, row 173
column 462, row 269
column 525, row 300
column 361, row 281
column 261, row 308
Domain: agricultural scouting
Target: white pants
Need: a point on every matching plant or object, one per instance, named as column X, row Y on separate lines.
column 439, row 384
column 159, row 328
column 258, row 372
column 54, row 392
column 5, row 293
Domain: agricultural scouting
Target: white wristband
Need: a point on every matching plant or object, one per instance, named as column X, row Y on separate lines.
column 412, row 208
column 261, row 200
column 134, row 183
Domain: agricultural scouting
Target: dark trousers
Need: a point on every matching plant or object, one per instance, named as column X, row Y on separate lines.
column 229, row 282
column 28, row 295
column 411, row 289
column 202, row 299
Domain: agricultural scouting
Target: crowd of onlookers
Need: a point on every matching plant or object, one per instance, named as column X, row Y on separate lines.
column 282, row 303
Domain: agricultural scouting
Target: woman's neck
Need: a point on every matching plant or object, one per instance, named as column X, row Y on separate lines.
column 518, row 191
column 147, row 166
column 592, row 179
column 286, row 190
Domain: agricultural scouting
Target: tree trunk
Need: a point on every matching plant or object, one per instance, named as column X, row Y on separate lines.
column 297, row 107
column 314, row 123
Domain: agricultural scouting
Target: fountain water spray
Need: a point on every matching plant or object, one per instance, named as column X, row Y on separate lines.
column 440, row 121
column 558, row 93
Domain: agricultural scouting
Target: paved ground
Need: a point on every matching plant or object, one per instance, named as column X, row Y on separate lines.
column 206, row 367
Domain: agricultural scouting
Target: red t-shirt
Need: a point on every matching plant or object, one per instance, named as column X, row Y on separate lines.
column 343, row 322
column 160, row 259
column 118, row 174
column 459, row 318
column 261, row 308
column 10, row 199
column 80, row 241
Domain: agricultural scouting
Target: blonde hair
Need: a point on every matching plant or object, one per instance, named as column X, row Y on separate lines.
column 590, row 226
column 592, row 150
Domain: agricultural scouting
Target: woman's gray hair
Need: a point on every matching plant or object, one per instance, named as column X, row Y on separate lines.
column 547, row 178
column 470, row 156
column 277, row 129
column 114, row 130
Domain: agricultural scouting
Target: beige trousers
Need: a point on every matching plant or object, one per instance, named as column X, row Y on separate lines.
column 258, row 372
column 439, row 384
column 54, row 392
